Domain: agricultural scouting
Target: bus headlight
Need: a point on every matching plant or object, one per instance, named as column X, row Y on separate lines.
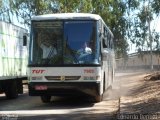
column 91, row 77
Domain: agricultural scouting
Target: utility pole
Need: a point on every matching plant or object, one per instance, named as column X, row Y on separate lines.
column 150, row 36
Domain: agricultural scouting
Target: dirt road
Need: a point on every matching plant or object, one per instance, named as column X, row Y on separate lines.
column 128, row 86
column 71, row 108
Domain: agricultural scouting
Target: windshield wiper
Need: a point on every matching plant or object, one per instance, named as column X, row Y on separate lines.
column 51, row 56
column 72, row 52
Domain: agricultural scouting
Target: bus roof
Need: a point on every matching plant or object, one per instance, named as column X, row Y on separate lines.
column 73, row 16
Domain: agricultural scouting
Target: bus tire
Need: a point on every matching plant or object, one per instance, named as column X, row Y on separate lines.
column 46, row 99
column 11, row 91
column 98, row 98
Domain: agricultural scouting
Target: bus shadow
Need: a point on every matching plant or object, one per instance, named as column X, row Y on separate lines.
column 2, row 97
column 68, row 103
column 26, row 102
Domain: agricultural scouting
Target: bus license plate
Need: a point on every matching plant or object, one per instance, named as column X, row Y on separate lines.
column 41, row 87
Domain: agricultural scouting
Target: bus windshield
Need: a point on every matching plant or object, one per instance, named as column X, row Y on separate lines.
column 63, row 43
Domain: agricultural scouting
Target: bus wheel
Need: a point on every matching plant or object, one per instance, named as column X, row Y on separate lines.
column 11, row 90
column 98, row 98
column 46, row 99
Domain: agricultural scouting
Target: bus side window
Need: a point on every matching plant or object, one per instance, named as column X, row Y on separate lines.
column 111, row 43
column 104, row 41
column 108, row 38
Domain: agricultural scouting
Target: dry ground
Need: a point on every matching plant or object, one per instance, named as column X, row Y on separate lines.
column 142, row 100
column 134, row 95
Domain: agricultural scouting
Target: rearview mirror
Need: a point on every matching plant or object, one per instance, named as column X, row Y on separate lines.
column 104, row 54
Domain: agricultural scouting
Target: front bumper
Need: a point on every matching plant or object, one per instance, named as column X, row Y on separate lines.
column 65, row 88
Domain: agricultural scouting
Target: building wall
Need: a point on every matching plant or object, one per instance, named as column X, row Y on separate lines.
column 136, row 61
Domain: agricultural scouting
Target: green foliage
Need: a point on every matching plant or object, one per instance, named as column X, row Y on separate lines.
column 116, row 14
column 0, row 4
column 112, row 11
column 156, row 6
column 139, row 30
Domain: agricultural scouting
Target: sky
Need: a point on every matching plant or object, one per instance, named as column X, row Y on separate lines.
column 156, row 24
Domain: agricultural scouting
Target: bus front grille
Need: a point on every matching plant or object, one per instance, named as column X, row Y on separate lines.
column 62, row 77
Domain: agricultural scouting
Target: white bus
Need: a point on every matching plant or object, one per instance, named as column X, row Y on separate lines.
column 70, row 54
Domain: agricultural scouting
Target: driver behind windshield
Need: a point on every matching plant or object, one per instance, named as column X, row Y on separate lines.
column 47, row 44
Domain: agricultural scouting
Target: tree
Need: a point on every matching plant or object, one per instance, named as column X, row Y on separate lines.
column 117, row 14
column 156, row 9
column 112, row 11
column 28, row 8
column 140, row 31
column 5, row 11
column 156, row 6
